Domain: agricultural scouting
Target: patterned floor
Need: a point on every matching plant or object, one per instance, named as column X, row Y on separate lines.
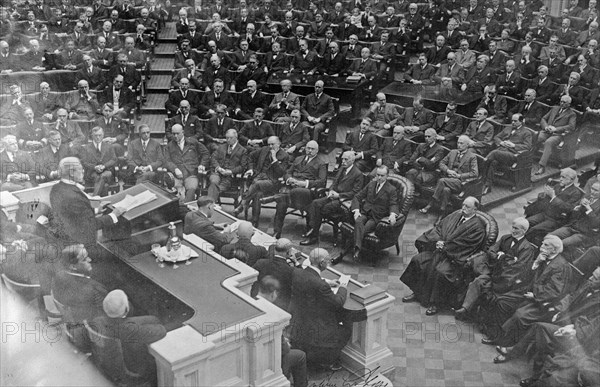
column 428, row 350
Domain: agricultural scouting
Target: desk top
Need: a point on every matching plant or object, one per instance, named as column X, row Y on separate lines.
column 303, row 80
column 434, row 93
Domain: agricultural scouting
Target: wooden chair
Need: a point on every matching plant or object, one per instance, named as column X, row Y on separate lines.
column 385, row 234
column 107, row 353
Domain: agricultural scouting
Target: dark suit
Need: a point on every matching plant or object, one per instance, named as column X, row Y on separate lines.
column 195, row 80
column 277, row 62
column 368, row 67
column 532, row 115
column 187, row 161
column 521, row 138
column 423, row 162
column 197, row 223
column 419, row 73
column 321, row 108
column 182, row 56
column 496, row 108
column 213, row 131
column 297, row 137
column 421, row 118
column 255, row 253
column 315, row 322
column 131, row 77
column 255, row 131
column 436, row 55
column 175, row 98
column 544, row 90
column 90, row 158
column 373, row 207
column 71, row 134
column 333, row 66
column 74, row 58
column 347, row 185
column 95, row 77
column 114, row 128
column 304, row 62
column 583, row 227
column 390, row 153
column 22, row 163
column 247, row 103
column 99, row 56
column 258, row 75
column 47, row 160
column 26, row 132
column 509, row 85
column 465, row 165
column 73, row 218
column 344, row 31
column 236, row 162
column 556, row 69
column 279, row 105
column 82, row 106
column 367, row 146
column 137, row 156
column 482, row 134
column 126, row 98
column 314, row 172
column 210, row 101
column 477, row 80
column 457, row 74
column 191, row 128
column 351, row 53
column 564, row 122
column 196, row 41
column 450, row 129
column 224, row 43
column 81, row 293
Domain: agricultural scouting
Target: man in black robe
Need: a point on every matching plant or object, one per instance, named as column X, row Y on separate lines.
column 437, row 269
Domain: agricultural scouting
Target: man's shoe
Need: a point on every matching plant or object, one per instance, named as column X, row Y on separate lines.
column 431, row 310
column 461, row 314
column 276, row 234
column 540, row 170
column 502, row 350
column 356, row 256
column 255, row 223
column 309, row 241
column 527, row 382
column 410, row 298
column 500, row 359
column 309, row 233
column 487, row 341
column 486, row 190
column 238, row 210
column 337, row 259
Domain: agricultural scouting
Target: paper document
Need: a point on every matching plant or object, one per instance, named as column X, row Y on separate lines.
column 132, row 201
column 344, row 279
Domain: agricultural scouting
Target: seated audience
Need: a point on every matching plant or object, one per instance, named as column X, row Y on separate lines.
column 18, row 168
column 199, row 223
column 228, row 161
column 144, row 156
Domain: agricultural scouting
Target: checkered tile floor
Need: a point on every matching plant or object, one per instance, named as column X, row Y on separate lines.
column 428, row 350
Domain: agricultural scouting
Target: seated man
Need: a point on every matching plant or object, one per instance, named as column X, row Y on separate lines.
column 317, row 108
column 448, row 126
column 228, row 160
column 283, row 103
column 480, row 132
column 549, row 286
column 377, row 200
column 144, row 156
column 69, row 130
column 185, row 158
column 305, row 173
column 316, row 327
column 433, row 274
column 293, row 361
column 280, row 266
column 394, row 151
column 384, row 115
column 424, row 161
column 555, row 124
column 115, row 129
column 84, row 105
column 122, row 98
column 304, row 60
column 364, row 145
column 192, row 126
column 131, row 77
column 294, row 135
column 254, row 134
column 73, row 286
column 218, row 95
column 458, row 167
column 135, row 333
column 509, row 142
column 199, row 223
column 18, row 168
column 267, row 165
column 182, row 94
column 30, row 132
column 505, row 267
column 416, row 118
column 216, row 127
column 347, row 183
column 255, row 253
column 98, row 159
column 421, row 73
column 50, row 155
column 13, row 109
column 191, row 73
column 249, row 100
column 582, row 230
column 494, row 104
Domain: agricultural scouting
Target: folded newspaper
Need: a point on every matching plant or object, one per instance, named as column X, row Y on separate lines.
column 132, row 201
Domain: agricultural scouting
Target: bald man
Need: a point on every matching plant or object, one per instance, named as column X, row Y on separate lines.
column 317, row 108
column 316, row 328
column 245, row 232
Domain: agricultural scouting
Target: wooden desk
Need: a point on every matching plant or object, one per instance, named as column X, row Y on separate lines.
column 435, row 97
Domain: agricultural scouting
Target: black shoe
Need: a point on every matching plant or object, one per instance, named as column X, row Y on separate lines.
column 431, row 310
column 486, row 190
column 255, row 223
column 487, row 341
column 461, row 314
column 502, row 350
column 337, row 259
column 500, row 359
column 527, row 382
column 356, row 256
column 308, row 233
column 276, row 234
column 238, row 210
column 309, row 241
column 410, row 298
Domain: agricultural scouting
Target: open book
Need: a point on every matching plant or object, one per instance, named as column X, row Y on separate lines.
column 132, row 201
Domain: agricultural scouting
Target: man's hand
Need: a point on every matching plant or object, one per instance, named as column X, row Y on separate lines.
column 440, row 245
column 118, row 211
column 529, row 295
column 248, row 173
column 291, row 149
column 356, row 214
column 393, row 218
column 567, row 330
column 379, row 162
column 333, row 195
column 463, row 87
column 178, row 173
column 201, row 168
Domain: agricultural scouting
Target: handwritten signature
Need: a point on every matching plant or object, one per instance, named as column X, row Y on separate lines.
column 368, row 378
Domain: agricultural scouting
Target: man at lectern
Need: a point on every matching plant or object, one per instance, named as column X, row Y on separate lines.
column 74, row 220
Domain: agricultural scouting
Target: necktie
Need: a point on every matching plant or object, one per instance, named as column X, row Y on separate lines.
column 360, row 137
column 462, row 220
column 395, row 143
column 98, row 148
column 144, row 145
column 378, row 188
column 229, row 150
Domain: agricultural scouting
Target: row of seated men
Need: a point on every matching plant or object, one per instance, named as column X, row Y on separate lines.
column 83, row 104
column 69, row 56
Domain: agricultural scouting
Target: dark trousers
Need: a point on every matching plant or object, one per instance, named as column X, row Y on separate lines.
column 517, row 326
column 588, row 262
column 539, row 226
column 258, row 189
column 323, row 208
column 496, row 157
column 101, row 181
column 362, row 226
column 444, row 188
column 298, row 198
column 294, row 363
column 218, row 184
column 478, row 287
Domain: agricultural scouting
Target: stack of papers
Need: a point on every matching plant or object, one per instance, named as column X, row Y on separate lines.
column 132, row 201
